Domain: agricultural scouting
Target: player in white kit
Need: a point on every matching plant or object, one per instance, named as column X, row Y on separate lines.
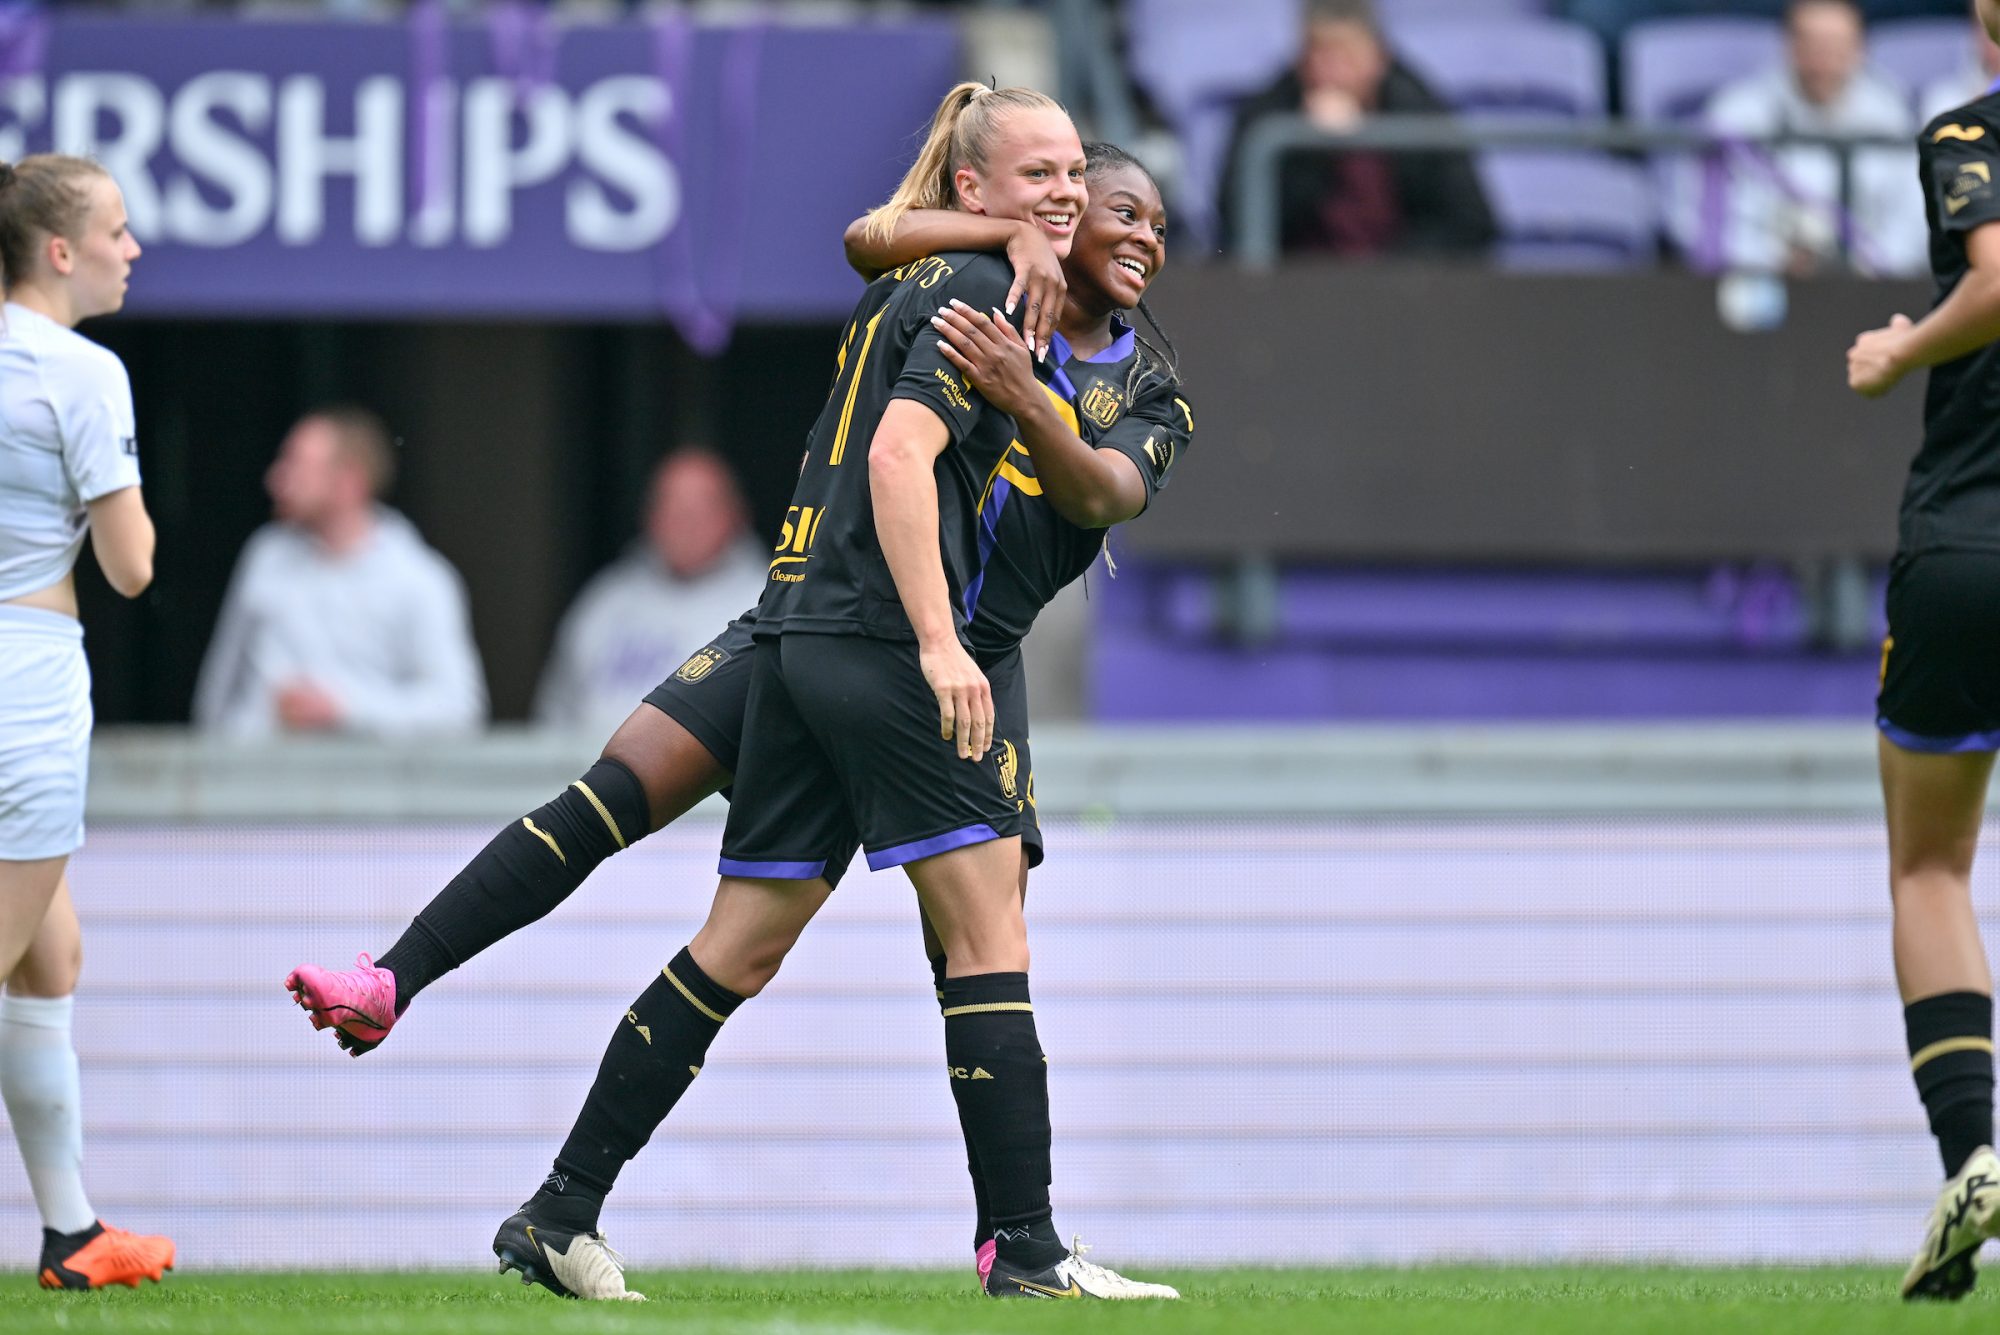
column 69, row 465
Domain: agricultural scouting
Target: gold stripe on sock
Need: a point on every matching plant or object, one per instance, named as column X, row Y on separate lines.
column 988, row 1008
column 692, row 999
column 1945, row 1046
column 546, row 838
column 609, row 823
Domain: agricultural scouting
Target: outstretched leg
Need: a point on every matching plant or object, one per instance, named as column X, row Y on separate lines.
column 652, row 771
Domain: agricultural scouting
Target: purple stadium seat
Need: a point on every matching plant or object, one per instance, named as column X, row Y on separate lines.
column 1530, row 66
column 1395, row 12
column 1917, row 52
column 1190, row 52
column 1567, row 211
column 1673, row 66
column 1196, row 59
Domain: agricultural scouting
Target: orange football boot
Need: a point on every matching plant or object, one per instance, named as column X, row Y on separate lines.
column 101, row 1256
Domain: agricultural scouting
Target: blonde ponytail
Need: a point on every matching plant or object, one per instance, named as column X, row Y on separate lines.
column 961, row 135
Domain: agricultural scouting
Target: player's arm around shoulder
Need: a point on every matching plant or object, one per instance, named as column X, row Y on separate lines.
column 1038, row 282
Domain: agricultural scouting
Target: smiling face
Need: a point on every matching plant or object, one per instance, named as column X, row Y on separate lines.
column 98, row 261
column 1121, row 245
column 1033, row 171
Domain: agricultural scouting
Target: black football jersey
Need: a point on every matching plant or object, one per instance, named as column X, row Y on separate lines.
column 1952, row 500
column 1032, row 552
column 828, row 573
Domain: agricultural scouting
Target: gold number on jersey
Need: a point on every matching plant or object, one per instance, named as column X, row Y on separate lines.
column 795, row 541
column 839, row 451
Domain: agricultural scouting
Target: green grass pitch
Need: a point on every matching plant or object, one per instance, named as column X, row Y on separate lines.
column 1445, row 1300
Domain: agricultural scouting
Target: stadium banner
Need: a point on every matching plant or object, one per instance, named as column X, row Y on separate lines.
column 512, row 166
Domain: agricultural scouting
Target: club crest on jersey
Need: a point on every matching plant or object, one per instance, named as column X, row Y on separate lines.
column 700, row 664
column 1010, row 770
column 1971, row 135
column 1102, row 404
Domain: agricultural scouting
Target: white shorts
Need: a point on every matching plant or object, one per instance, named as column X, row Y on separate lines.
column 44, row 734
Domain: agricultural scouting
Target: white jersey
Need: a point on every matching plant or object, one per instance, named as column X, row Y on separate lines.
column 66, row 438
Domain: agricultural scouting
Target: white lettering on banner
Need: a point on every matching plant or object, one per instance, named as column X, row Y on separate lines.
column 494, row 167
column 82, row 100
column 437, row 192
column 630, row 163
column 229, row 163
column 373, row 156
column 27, row 103
column 217, row 160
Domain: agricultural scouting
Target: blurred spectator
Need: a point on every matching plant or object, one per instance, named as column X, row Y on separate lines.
column 1611, row 18
column 1782, row 206
column 339, row 617
column 695, row 568
column 1360, row 203
column 1970, row 81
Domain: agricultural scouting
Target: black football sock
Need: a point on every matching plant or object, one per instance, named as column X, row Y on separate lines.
column 982, row 1219
column 653, row 1057
column 568, row 1201
column 524, row 872
column 1951, row 1056
column 1001, row 1082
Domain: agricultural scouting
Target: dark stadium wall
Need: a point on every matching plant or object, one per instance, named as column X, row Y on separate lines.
column 1382, row 413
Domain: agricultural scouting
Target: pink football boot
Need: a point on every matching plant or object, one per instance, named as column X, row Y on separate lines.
column 358, row 1004
column 984, row 1259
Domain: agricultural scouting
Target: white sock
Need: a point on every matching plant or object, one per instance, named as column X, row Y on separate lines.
column 43, row 1091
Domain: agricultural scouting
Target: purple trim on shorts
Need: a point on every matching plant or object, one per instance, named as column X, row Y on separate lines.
column 772, row 871
column 896, row 856
column 1939, row 746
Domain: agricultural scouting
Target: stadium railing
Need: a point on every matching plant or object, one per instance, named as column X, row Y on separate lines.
column 1265, row 144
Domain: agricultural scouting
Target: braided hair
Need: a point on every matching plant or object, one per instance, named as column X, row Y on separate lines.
column 1152, row 364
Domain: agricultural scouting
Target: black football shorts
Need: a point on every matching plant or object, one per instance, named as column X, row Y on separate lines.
column 840, row 744
column 709, row 694
column 1941, row 663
